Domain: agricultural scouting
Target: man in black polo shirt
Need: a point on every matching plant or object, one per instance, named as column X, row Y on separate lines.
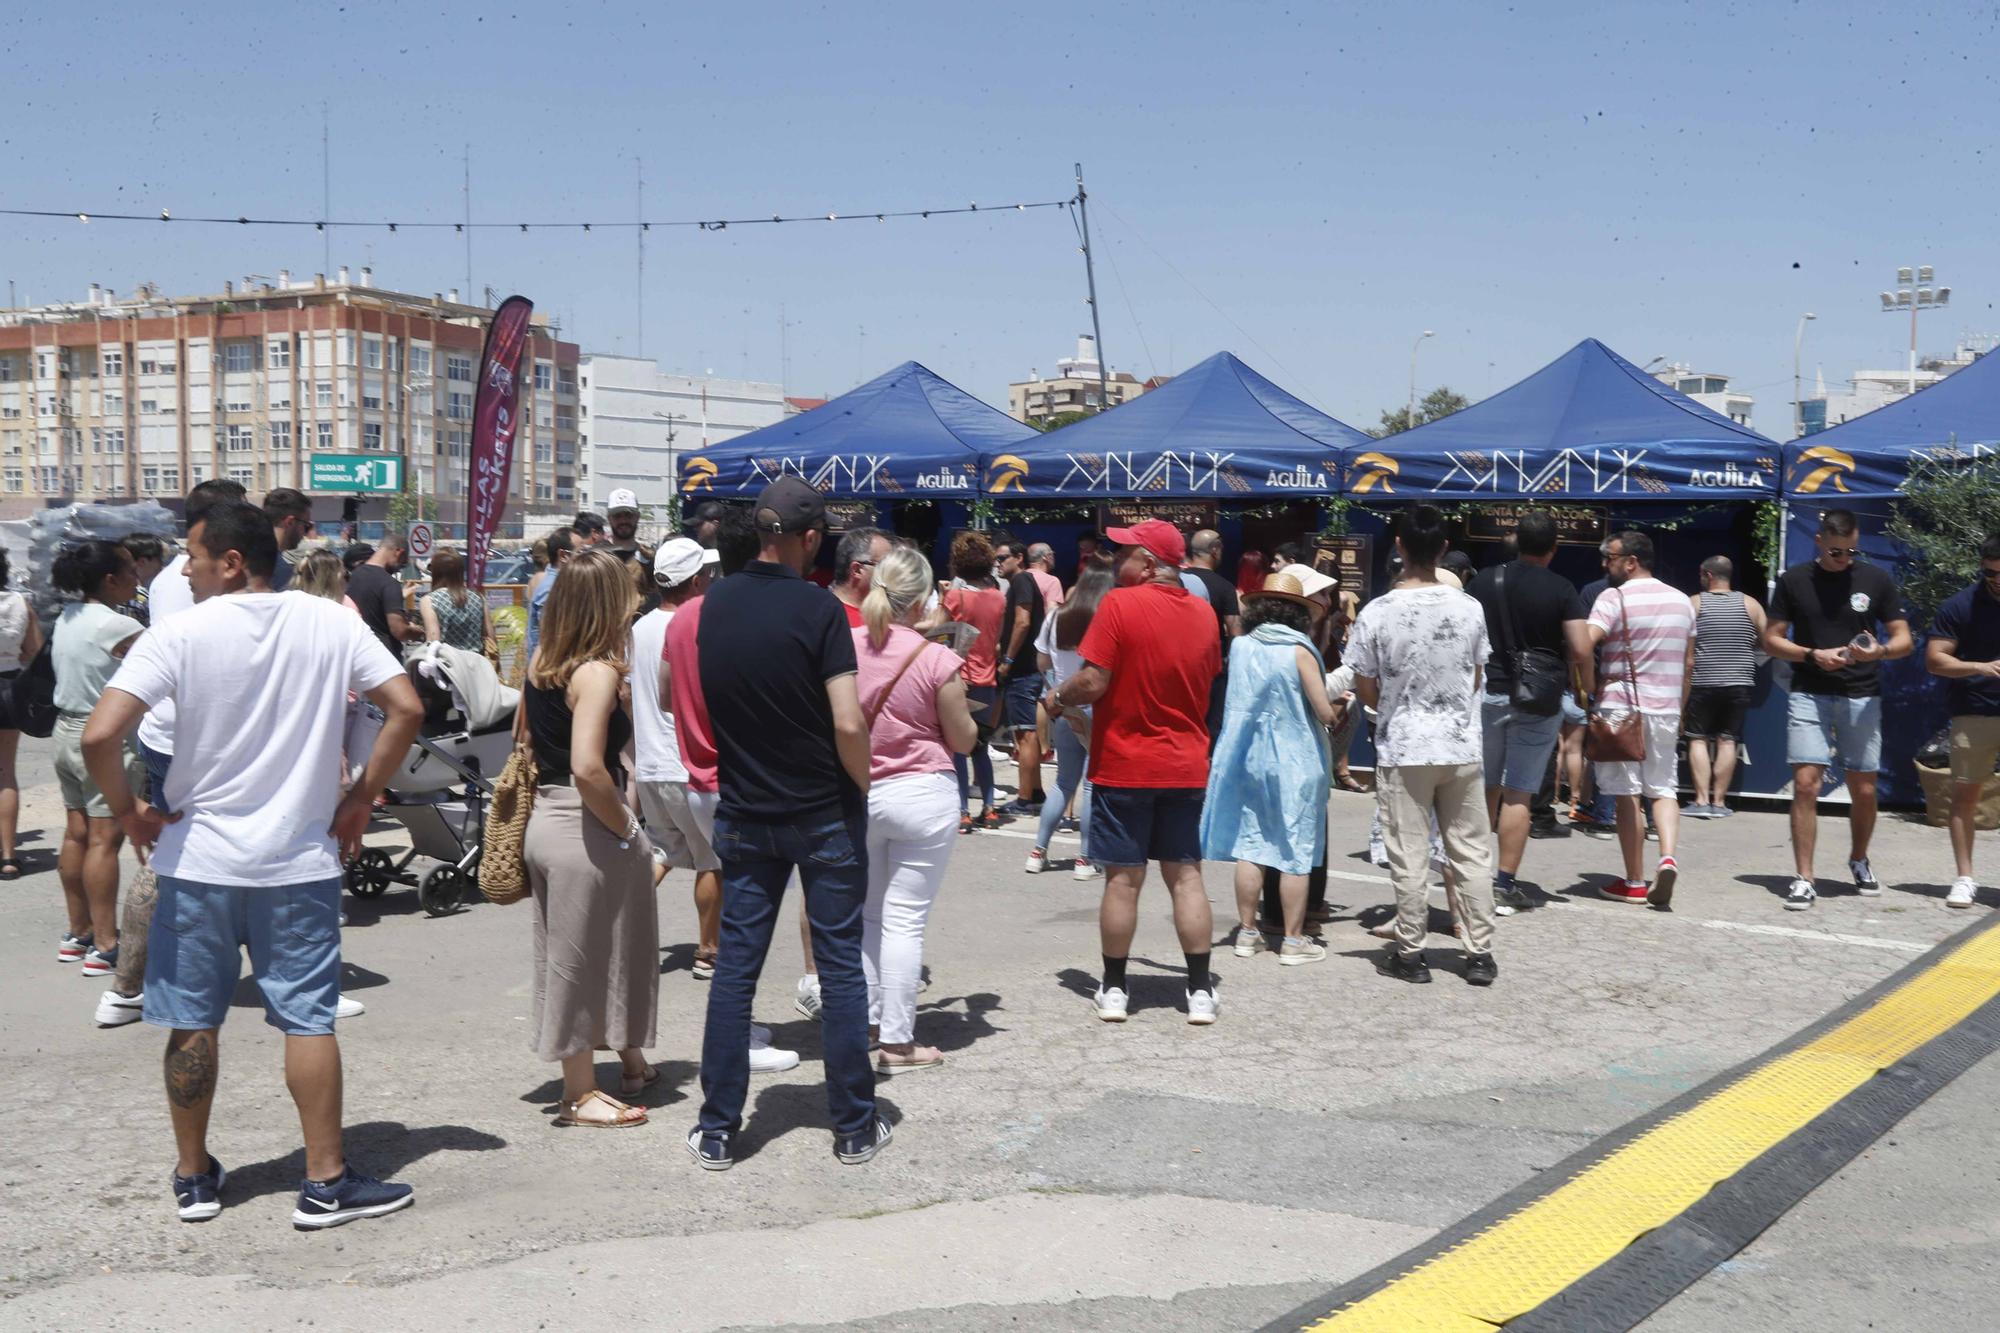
column 777, row 671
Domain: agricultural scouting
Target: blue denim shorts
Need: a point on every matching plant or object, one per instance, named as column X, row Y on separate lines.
column 1130, row 826
column 1819, row 726
column 1518, row 744
column 157, row 765
column 194, row 953
column 1023, row 694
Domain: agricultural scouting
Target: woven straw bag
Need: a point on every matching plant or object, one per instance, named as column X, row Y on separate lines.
column 503, row 867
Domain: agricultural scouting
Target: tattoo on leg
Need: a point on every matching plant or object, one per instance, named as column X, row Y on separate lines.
column 191, row 1069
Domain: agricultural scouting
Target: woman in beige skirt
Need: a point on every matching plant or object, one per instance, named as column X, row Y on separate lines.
column 590, row 869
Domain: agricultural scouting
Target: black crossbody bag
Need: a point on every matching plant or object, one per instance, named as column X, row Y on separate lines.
column 1539, row 676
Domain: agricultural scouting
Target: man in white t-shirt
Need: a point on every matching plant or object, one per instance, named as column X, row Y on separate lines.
column 682, row 569
column 251, row 855
column 1417, row 652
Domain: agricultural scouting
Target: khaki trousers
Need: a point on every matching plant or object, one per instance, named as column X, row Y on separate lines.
column 1409, row 796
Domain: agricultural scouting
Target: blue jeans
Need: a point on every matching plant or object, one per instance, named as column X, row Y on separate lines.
column 831, row 856
column 1070, row 760
column 194, row 953
column 1517, row 744
column 983, row 699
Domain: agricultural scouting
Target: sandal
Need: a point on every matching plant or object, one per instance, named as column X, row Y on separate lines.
column 622, row 1116
column 991, row 819
column 1346, row 782
column 966, row 824
column 920, row 1057
column 629, row 1085
column 704, row 966
column 10, row 868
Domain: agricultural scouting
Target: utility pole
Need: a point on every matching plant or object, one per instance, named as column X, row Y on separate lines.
column 1090, row 276
column 1798, row 403
column 1410, row 415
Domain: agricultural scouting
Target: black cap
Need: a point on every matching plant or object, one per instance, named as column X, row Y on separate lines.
column 796, row 502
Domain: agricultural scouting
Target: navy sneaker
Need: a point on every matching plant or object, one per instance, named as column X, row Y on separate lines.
column 200, row 1195
column 353, row 1195
column 711, row 1150
column 854, row 1149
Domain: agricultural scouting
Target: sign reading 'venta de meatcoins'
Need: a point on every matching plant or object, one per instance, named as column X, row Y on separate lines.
column 354, row 472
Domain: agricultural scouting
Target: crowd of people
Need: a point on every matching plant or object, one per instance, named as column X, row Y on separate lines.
column 709, row 707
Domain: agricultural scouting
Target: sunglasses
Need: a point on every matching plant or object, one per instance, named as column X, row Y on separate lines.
column 1991, row 575
column 1843, row 552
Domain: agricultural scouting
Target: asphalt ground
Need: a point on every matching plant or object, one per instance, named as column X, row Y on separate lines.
column 1153, row 1175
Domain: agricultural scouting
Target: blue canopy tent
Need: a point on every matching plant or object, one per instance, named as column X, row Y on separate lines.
column 1860, row 465
column 1589, row 426
column 1218, row 431
column 904, row 434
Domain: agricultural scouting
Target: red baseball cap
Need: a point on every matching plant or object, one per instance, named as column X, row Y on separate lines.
column 1157, row 535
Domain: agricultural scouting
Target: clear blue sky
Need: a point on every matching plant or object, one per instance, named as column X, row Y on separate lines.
column 1678, row 180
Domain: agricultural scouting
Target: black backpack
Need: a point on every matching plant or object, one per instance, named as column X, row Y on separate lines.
column 28, row 702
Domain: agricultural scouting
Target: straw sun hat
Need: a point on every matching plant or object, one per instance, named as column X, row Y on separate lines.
column 1288, row 584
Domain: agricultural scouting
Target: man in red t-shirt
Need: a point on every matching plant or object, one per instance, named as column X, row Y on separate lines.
column 854, row 569
column 1149, row 656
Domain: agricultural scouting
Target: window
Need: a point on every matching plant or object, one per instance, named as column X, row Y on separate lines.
column 371, row 435
column 110, row 362
column 395, row 355
column 278, row 354
column 565, row 454
column 242, row 439
column 45, row 365
column 544, row 375
column 148, row 366
column 457, row 445
column 371, row 401
column 170, row 478
column 246, row 477
column 149, row 477
column 10, row 412
column 281, row 394
column 323, row 393
column 566, row 382
column 238, row 357
column 6, row 370
column 543, row 453
column 566, row 421
column 544, row 491
column 420, row 360
column 565, row 492
column 281, row 437
column 14, row 479
column 10, row 443
column 48, row 404
column 460, row 407
column 114, row 439
column 238, row 402
column 323, row 434
column 458, row 368
column 371, row 353
column 114, row 404
column 149, row 407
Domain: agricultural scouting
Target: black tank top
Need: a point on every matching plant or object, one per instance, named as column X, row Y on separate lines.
column 550, row 722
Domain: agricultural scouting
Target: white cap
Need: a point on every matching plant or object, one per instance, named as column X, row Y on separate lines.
column 621, row 499
column 680, row 560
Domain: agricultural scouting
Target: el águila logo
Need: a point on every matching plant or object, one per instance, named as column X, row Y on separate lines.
column 1373, row 471
column 1819, row 466
column 1007, row 473
column 697, row 474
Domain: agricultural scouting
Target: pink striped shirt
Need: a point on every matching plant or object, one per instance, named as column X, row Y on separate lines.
column 1653, row 623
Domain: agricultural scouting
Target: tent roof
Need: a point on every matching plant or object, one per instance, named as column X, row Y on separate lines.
column 1588, row 425
column 877, row 438
column 1218, row 428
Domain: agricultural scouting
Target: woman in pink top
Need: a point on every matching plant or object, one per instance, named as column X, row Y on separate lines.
column 975, row 599
column 914, row 699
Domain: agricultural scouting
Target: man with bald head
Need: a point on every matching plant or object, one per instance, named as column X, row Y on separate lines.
column 1204, row 558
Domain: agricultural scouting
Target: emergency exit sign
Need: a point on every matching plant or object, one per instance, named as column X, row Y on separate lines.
column 354, row 472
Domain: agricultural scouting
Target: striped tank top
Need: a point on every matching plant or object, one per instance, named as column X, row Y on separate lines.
column 1725, row 643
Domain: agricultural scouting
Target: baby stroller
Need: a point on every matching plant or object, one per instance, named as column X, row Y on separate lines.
column 439, row 791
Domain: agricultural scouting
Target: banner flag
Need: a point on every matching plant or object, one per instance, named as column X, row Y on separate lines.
column 494, row 421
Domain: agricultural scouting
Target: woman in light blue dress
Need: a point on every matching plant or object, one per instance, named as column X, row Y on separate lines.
column 1267, row 780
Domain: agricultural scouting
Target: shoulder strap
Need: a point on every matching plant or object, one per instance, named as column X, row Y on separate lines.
column 882, row 699
column 1507, row 635
column 1631, row 648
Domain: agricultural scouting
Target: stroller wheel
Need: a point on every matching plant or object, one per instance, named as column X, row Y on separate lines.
column 369, row 874
column 442, row 890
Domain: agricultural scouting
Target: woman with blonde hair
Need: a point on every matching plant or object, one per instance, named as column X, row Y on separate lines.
column 590, row 869
column 914, row 700
column 321, row 574
column 453, row 614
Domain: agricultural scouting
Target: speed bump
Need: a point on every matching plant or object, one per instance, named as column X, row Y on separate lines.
column 1614, row 1232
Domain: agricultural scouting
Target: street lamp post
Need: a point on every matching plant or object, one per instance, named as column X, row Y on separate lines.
column 1913, row 292
column 673, row 476
column 1410, row 421
column 1798, row 410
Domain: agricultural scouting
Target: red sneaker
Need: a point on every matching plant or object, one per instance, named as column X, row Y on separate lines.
column 1625, row 893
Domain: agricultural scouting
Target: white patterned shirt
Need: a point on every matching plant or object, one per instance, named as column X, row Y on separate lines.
column 1425, row 646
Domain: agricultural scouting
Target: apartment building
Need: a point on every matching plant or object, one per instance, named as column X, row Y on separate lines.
column 141, row 396
column 640, row 420
column 1073, row 388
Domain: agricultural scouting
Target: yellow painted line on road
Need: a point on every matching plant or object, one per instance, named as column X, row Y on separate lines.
column 1532, row 1255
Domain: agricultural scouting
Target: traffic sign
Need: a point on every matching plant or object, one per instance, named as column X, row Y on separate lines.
column 420, row 540
column 354, row 472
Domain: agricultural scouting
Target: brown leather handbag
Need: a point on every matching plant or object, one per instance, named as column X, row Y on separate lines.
column 1621, row 740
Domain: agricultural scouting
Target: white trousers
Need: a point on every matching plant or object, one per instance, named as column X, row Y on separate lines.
column 912, row 827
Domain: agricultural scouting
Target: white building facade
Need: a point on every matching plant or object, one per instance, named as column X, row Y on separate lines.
column 1711, row 391
column 639, row 421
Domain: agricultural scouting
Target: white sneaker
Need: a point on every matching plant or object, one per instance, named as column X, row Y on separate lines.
column 346, row 1008
column 1963, row 890
column 115, row 1010
column 1038, row 861
column 1800, row 897
column 1202, row 1007
column 1865, row 882
column 1086, row 870
column 1111, row 1003
column 768, row 1059
column 806, row 1001
column 1297, row 950
column 1378, row 852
